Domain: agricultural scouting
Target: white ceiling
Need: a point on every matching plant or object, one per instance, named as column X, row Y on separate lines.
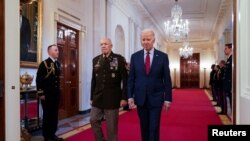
column 202, row 15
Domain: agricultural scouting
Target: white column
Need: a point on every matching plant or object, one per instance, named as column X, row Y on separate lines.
column 138, row 38
column 109, row 17
column 221, row 47
column 131, row 38
column 99, row 13
column 216, row 49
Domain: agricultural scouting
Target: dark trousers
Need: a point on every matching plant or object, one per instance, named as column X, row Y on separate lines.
column 150, row 122
column 218, row 96
column 214, row 95
column 229, row 95
column 111, row 117
column 223, row 101
column 228, row 91
column 50, row 116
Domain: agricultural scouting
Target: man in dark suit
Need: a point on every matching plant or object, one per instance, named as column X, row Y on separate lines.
column 149, row 86
column 25, row 36
column 211, row 82
column 108, row 90
column 221, row 94
column 228, row 73
column 48, row 87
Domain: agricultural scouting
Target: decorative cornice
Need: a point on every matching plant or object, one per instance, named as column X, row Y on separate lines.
column 223, row 17
column 69, row 21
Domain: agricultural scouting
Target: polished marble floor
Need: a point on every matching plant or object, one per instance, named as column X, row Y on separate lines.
column 65, row 125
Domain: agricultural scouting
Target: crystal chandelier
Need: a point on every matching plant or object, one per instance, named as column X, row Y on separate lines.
column 177, row 29
column 186, row 50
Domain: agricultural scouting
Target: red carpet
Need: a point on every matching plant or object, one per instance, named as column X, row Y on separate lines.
column 187, row 120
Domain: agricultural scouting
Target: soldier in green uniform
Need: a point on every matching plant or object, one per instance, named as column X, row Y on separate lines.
column 47, row 83
column 108, row 90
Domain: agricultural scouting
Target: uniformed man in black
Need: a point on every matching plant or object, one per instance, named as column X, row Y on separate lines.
column 108, row 90
column 47, row 82
column 211, row 82
column 222, row 96
column 228, row 73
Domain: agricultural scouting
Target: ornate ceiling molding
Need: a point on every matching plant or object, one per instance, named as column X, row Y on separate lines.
column 148, row 17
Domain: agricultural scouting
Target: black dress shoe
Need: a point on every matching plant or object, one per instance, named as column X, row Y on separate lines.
column 53, row 139
column 222, row 113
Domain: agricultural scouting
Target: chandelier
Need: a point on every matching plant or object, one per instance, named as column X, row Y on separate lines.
column 186, row 50
column 176, row 29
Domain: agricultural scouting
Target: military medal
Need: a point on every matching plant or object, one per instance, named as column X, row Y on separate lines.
column 97, row 65
column 114, row 64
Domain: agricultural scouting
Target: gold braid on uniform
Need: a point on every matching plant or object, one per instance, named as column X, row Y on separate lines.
column 50, row 69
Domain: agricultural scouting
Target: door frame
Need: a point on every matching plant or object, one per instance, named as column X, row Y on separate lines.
column 74, row 22
column 234, row 86
column 2, row 50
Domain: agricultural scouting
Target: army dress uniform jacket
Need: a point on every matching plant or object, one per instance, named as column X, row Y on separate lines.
column 47, row 80
column 109, row 81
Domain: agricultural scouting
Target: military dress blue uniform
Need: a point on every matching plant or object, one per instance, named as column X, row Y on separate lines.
column 228, row 79
column 48, row 84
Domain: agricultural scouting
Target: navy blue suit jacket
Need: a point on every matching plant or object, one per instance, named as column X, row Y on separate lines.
column 155, row 87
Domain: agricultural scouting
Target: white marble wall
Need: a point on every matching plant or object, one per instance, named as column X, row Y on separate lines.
column 242, row 64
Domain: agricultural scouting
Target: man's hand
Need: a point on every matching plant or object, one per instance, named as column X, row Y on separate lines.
column 123, row 103
column 166, row 105
column 131, row 103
